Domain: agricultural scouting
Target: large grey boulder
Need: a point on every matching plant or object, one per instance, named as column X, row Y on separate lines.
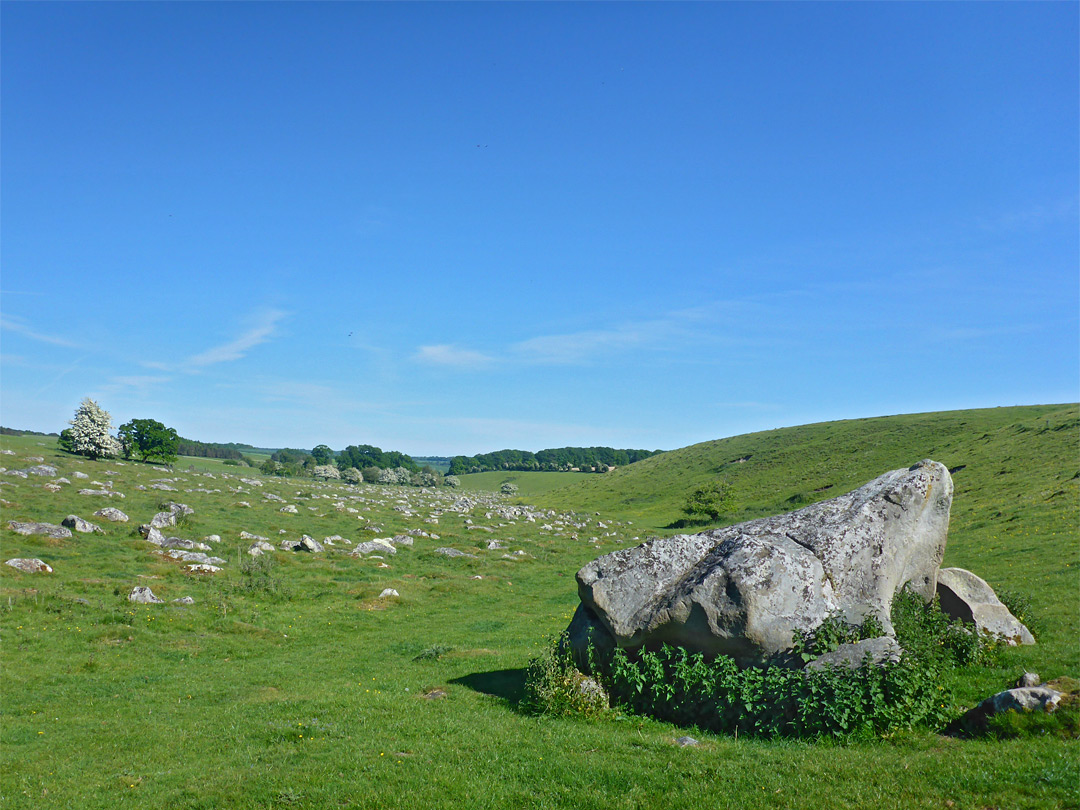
column 745, row 590
column 969, row 598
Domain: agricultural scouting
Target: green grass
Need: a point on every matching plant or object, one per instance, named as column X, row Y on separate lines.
column 530, row 484
column 309, row 695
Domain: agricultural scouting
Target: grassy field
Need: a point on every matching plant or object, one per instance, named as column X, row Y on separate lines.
column 298, row 686
column 529, row 484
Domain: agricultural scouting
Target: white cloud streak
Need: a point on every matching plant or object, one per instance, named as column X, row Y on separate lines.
column 236, row 349
column 448, row 355
column 24, row 330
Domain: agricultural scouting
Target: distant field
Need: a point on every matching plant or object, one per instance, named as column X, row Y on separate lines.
column 529, row 484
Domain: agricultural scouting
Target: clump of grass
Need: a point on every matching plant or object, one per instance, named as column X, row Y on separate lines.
column 433, row 653
column 554, row 686
column 257, row 576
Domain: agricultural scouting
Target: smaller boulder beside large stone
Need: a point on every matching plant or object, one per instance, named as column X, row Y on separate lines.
column 83, row 526
column 47, row 529
column 967, row 597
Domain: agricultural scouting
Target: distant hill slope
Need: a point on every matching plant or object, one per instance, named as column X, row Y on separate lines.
column 1016, row 508
column 1015, row 456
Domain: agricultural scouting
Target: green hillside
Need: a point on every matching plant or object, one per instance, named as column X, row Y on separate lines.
column 290, row 682
column 1017, row 457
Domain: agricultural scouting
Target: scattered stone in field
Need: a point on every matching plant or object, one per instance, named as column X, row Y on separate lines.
column 966, row 597
column 242, row 504
column 78, row 524
column 113, row 514
column 7, row 452
column 388, row 592
column 51, row 487
column 380, row 565
column 487, row 529
column 270, row 496
column 289, row 510
column 202, row 568
column 495, row 545
column 181, row 543
column 152, row 534
column 289, row 545
column 334, row 539
column 371, row 546
column 184, row 600
column 308, row 543
column 34, row 458
column 1028, row 679
column 42, row 470
column 30, row 566
column 193, row 557
column 433, row 694
column 251, row 482
column 78, row 474
column 259, row 547
column 683, row 742
column 179, row 508
column 250, row 536
column 212, row 538
column 47, row 529
column 476, row 577
column 164, row 487
column 851, row 656
column 144, row 596
column 453, row 552
column 163, row 519
column 401, row 540
column 1022, row 699
column 16, row 473
column 104, row 492
column 62, row 480
column 282, row 531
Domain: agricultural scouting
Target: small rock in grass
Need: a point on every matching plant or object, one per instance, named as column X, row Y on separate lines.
column 51, row 487
column 387, row 593
column 203, row 568
column 113, row 514
column 289, row 510
column 685, row 741
column 453, row 552
column 184, row 600
column 47, row 529
column 30, row 566
column 143, row 595
column 78, row 474
column 212, row 538
column 78, row 524
column 41, row 469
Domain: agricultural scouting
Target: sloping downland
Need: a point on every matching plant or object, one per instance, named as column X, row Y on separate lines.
column 302, row 690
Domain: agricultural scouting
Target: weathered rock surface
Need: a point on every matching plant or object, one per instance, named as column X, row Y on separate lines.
column 310, row 544
column 453, row 552
column 78, row 524
column 113, row 514
column 851, row 656
column 30, row 566
column 1021, row 699
column 41, row 469
column 388, row 593
column 966, row 597
column 143, row 595
column 47, row 529
column 745, row 590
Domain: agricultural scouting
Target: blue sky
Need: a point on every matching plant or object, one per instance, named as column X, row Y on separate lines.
column 444, row 228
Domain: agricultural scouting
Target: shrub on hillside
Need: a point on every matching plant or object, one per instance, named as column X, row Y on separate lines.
column 351, row 476
column 326, row 471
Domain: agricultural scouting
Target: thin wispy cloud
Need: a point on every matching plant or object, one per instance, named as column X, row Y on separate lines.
column 17, row 326
column 265, row 325
column 446, row 354
column 236, row 349
column 141, row 383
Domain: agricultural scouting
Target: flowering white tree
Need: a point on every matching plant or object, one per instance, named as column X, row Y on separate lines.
column 90, row 431
column 326, row 471
column 351, row 476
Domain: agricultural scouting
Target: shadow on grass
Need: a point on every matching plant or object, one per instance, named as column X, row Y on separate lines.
column 508, row 684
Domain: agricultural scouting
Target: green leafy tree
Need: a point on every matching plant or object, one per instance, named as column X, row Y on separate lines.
column 709, row 501
column 322, row 455
column 148, row 438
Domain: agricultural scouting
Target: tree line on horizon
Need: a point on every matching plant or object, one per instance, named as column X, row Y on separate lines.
column 561, row 459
